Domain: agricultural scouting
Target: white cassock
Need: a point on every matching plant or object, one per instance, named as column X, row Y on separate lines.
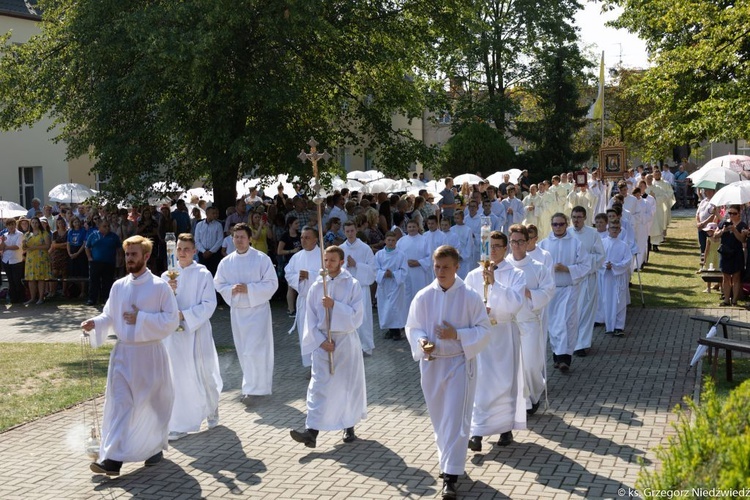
column 139, row 396
column 475, row 224
column 449, row 381
column 563, row 309
column 464, row 239
column 582, row 199
column 337, row 401
column 194, row 363
column 250, row 312
column 415, row 248
column 532, row 206
column 642, row 219
column 499, row 405
column 392, row 304
column 530, row 319
column 588, row 294
column 364, row 273
column 668, row 202
column 614, row 284
column 304, row 260
column 599, row 190
column 519, row 213
column 663, row 201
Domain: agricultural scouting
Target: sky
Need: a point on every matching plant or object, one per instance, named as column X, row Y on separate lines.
column 617, row 44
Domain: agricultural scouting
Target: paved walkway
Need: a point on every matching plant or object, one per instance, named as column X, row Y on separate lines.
column 609, row 412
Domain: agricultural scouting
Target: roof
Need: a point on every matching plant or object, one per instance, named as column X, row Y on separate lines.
column 26, row 9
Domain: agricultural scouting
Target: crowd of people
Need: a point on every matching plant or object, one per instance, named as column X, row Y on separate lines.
column 478, row 279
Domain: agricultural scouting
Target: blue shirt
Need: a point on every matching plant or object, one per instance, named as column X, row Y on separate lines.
column 77, row 238
column 103, row 248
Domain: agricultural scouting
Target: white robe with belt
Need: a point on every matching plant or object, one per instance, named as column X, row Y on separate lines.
column 339, row 400
column 530, row 320
column 464, row 239
column 392, row 304
column 415, row 248
column 309, row 261
column 139, row 396
column 588, row 295
column 250, row 313
column 563, row 309
column 364, row 273
column 499, row 405
column 614, row 284
column 194, row 363
column 449, row 381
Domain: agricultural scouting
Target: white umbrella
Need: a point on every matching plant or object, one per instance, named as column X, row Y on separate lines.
column 470, row 178
column 200, row 193
column 367, row 176
column 702, row 349
column 436, row 186
column 11, row 209
column 338, row 184
column 497, row 178
column 738, row 163
column 721, row 175
column 71, row 192
column 415, row 192
column 737, row 193
column 379, row 186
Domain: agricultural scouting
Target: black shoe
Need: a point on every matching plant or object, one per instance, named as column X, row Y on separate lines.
column 108, row 467
column 397, row 336
column 449, row 489
column 506, row 438
column 154, row 460
column 619, row 333
column 598, row 324
column 307, row 437
column 349, row 436
column 564, row 367
column 655, row 248
column 90, row 303
column 388, row 334
column 581, row 353
column 475, row 443
column 534, row 408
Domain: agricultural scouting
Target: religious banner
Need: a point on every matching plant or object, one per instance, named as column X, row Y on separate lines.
column 613, row 158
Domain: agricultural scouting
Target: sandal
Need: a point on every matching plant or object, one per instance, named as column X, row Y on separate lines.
column 724, row 304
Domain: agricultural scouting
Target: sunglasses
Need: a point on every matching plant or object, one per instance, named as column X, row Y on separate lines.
column 559, row 224
column 733, row 213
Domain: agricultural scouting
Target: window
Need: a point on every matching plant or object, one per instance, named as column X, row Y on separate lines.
column 444, row 118
column 369, row 161
column 101, row 182
column 28, row 177
column 344, row 158
column 743, row 148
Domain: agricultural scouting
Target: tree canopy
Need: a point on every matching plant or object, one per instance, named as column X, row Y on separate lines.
column 699, row 87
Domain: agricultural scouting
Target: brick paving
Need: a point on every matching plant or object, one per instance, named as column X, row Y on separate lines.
column 604, row 417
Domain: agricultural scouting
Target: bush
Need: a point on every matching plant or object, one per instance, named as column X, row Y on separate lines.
column 712, row 450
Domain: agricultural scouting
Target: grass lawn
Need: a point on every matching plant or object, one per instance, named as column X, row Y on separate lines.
column 40, row 379
column 669, row 278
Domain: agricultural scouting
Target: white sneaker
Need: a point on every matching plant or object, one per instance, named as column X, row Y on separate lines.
column 174, row 436
column 213, row 420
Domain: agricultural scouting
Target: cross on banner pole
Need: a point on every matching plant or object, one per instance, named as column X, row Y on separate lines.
column 314, row 156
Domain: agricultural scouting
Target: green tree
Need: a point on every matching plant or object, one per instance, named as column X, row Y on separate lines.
column 477, row 147
column 176, row 91
column 559, row 112
column 493, row 48
column 699, row 86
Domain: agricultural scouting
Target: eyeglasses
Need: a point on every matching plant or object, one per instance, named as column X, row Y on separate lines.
column 496, row 247
column 733, row 213
column 518, row 242
column 559, row 224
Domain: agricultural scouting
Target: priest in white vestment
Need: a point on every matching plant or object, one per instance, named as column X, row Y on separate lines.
column 532, row 205
column 391, row 273
column 499, row 405
column 514, row 210
column 360, row 262
column 538, row 291
column 414, row 247
column 141, row 311
column 247, row 280
column 301, row 272
column 592, row 249
column 570, row 267
column 447, row 327
column 336, row 397
column 194, row 363
column 613, row 281
column 464, row 243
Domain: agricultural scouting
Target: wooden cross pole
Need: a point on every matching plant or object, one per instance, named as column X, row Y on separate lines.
column 314, row 156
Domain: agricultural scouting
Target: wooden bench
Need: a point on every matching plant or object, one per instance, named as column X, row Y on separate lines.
column 729, row 345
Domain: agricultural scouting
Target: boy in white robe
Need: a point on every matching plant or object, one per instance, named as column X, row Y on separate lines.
column 246, row 280
column 538, row 291
column 447, row 327
column 613, row 280
column 360, row 262
column 141, row 311
column 414, row 247
column 300, row 273
column 464, row 237
column 391, row 273
column 337, row 395
column 570, row 267
column 514, row 210
column 194, row 363
column 499, row 405
column 449, row 237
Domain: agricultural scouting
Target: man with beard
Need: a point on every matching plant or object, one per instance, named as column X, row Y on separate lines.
column 141, row 311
